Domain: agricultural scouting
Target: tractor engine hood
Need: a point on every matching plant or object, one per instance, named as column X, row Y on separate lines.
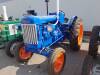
column 38, row 19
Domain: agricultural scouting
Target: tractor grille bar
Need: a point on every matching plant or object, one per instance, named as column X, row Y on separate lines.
column 30, row 33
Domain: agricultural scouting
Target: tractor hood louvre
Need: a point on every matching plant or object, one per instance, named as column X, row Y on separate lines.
column 30, row 34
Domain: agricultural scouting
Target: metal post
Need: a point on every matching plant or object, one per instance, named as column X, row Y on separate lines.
column 47, row 6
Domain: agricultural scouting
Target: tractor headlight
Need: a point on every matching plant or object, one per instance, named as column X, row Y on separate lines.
column 49, row 28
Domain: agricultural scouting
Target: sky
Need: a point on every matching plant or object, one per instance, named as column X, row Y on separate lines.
column 3, row 1
column 87, row 10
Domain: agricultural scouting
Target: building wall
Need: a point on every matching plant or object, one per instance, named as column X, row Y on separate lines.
column 88, row 10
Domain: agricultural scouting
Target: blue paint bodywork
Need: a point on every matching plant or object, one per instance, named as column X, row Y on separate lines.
column 47, row 38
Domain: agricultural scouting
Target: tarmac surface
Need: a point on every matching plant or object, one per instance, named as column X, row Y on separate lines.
column 73, row 66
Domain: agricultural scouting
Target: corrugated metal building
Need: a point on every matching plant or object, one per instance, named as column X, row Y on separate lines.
column 88, row 10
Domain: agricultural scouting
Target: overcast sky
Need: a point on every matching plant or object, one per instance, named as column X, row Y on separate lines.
column 3, row 1
column 88, row 10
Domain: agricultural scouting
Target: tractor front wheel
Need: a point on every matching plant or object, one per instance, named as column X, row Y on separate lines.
column 21, row 54
column 10, row 47
column 57, row 61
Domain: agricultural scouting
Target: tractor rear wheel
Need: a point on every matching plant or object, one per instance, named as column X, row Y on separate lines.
column 22, row 55
column 10, row 46
column 94, row 42
column 77, row 35
column 57, row 61
column 87, row 66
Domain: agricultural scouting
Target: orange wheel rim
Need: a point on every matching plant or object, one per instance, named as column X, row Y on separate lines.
column 23, row 54
column 80, row 34
column 59, row 62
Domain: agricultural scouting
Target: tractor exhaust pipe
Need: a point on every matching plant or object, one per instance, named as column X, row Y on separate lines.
column 5, row 13
column 57, row 13
column 58, row 9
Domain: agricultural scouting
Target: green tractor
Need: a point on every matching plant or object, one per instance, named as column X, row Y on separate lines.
column 10, row 32
column 9, row 35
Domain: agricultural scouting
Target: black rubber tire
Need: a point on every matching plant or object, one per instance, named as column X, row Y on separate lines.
column 8, row 47
column 73, row 45
column 19, row 45
column 51, row 60
column 93, row 44
column 74, row 37
column 87, row 65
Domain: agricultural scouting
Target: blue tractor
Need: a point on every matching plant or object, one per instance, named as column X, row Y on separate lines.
column 44, row 35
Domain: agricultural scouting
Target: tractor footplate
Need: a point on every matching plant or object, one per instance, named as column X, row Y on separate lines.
column 36, row 59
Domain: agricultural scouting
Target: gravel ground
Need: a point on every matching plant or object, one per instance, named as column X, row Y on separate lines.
column 74, row 61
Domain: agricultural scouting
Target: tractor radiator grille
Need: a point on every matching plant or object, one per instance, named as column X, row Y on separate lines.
column 30, row 34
